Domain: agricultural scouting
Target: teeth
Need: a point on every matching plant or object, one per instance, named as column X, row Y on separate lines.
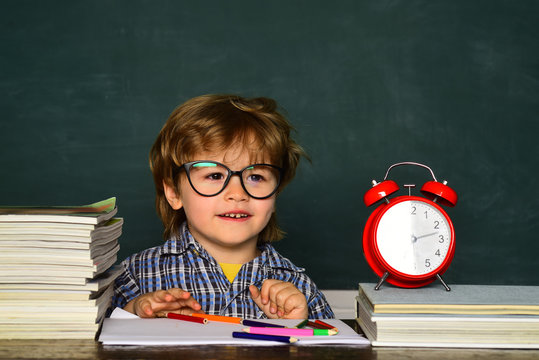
column 237, row 216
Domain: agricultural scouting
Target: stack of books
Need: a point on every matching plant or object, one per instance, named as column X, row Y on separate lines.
column 57, row 269
column 469, row 316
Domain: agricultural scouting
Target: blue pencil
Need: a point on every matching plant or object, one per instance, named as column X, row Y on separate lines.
column 259, row 324
column 244, row 335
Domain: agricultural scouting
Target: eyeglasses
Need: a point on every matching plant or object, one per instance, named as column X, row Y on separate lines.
column 209, row 178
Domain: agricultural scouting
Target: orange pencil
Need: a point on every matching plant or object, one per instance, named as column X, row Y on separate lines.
column 227, row 319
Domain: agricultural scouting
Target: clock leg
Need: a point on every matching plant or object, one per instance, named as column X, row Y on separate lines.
column 447, row 288
column 382, row 280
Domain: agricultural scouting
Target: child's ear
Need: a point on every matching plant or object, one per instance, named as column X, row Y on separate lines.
column 172, row 197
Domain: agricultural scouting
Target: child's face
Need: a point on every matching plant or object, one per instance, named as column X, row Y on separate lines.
column 227, row 238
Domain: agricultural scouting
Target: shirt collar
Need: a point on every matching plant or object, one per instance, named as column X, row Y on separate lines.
column 181, row 242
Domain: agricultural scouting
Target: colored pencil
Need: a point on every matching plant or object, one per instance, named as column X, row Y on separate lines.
column 259, row 324
column 324, row 325
column 315, row 325
column 186, row 318
column 244, row 335
column 302, row 324
column 289, row 331
column 328, row 326
column 220, row 318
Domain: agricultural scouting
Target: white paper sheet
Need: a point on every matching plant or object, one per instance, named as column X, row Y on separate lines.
column 123, row 328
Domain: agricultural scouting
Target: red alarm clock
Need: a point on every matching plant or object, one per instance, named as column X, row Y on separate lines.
column 409, row 241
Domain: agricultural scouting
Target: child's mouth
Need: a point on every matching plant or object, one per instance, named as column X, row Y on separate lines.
column 235, row 215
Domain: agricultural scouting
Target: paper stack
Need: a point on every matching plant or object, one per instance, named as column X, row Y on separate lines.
column 56, row 269
column 124, row 328
column 470, row 316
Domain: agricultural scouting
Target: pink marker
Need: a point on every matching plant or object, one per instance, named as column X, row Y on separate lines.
column 289, row 331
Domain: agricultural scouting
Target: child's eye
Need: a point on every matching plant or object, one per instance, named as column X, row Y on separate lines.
column 215, row 176
column 255, row 178
column 208, row 172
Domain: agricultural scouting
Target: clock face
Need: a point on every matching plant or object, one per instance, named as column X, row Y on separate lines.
column 414, row 237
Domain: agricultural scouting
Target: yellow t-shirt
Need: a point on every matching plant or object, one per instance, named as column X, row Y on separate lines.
column 230, row 270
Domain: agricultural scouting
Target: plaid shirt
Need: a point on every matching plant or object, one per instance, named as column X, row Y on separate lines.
column 183, row 263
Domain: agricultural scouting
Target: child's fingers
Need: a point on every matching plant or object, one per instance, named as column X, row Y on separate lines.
column 161, row 296
column 255, row 293
column 155, row 303
column 294, row 302
column 170, row 295
column 176, row 299
column 189, row 303
column 284, row 298
column 144, row 308
column 175, row 295
column 277, row 291
column 267, row 294
column 183, row 298
column 179, row 293
column 268, row 287
column 257, row 298
column 273, row 295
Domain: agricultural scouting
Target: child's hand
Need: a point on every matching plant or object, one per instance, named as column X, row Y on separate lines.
column 156, row 303
column 279, row 299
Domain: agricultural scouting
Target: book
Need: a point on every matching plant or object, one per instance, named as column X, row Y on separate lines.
column 94, row 213
column 11, row 272
column 73, row 257
column 474, row 319
column 62, row 309
column 8, row 253
column 56, row 330
column 97, row 283
column 57, row 269
column 67, row 319
column 47, row 295
column 25, row 233
column 96, row 266
column 469, row 299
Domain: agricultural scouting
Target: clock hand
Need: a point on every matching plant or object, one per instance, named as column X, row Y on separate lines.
column 426, row 235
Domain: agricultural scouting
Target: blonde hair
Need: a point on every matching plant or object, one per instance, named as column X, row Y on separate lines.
column 215, row 122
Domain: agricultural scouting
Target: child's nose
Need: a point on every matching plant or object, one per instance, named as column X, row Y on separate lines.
column 234, row 190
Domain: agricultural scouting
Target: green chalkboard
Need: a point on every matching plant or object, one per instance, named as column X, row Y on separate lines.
column 86, row 85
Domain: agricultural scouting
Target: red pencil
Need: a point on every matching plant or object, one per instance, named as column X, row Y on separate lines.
column 315, row 325
column 324, row 324
column 186, row 318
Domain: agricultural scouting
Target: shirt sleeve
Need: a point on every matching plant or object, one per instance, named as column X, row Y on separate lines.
column 126, row 287
column 318, row 306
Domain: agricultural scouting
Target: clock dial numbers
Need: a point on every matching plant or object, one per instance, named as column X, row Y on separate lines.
column 413, row 237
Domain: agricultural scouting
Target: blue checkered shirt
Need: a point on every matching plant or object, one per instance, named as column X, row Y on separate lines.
column 183, row 263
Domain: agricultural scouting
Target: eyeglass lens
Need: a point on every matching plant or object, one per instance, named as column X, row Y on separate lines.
column 209, row 178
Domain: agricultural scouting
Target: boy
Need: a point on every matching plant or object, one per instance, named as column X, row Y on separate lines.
column 218, row 164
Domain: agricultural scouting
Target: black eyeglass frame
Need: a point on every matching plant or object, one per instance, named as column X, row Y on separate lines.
column 187, row 166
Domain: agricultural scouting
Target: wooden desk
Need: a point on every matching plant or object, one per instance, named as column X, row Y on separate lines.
column 87, row 349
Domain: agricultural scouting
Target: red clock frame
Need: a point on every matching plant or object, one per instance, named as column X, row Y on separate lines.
column 380, row 266
column 435, row 193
